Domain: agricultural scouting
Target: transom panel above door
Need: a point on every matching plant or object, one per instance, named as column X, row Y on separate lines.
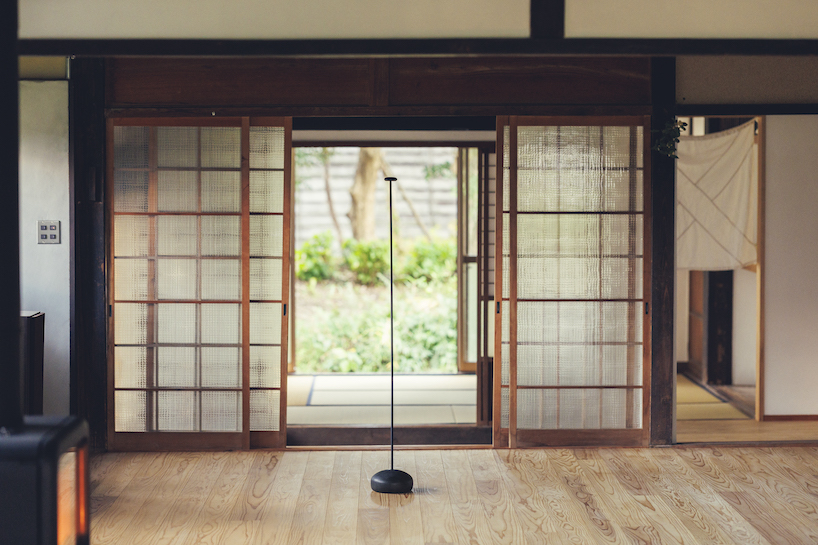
column 199, row 282
column 571, row 357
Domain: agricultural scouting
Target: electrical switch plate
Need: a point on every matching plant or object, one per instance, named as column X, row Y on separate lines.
column 48, row 232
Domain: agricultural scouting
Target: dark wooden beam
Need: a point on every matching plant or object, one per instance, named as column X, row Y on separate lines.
column 11, row 415
column 663, row 264
column 547, row 19
column 88, row 303
column 416, row 47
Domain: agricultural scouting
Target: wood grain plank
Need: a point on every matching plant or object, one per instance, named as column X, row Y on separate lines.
column 255, row 498
column 276, row 516
column 764, row 515
column 433, row 495
column 311, row 507
column 373, row 508
column 467, row 509
column 115, row 482
column 341, row 522
column 99, row 465
column 404, row 509
column 497, row 504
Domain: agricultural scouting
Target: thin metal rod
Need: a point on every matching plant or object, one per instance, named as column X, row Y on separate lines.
column 391, row 339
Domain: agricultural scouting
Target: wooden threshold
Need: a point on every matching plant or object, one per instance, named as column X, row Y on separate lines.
column 328, row 436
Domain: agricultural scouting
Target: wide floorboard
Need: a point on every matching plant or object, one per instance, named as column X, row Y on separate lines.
column 724, row 495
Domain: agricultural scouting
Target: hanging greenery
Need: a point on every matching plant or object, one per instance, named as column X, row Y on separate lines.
column 669, row 137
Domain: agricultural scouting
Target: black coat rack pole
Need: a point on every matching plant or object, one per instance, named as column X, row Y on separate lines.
column 391, row 481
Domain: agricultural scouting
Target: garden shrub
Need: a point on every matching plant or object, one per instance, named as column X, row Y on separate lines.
column 315, row 260
column 430, row 260
column 368, row 260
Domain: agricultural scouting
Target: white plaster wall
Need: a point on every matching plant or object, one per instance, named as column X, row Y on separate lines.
column 44, row 194
column 745, row 327
column 691, row 19
column 791, row 279
column 274, row 19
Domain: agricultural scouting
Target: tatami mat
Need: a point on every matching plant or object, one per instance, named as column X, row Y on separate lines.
column 695, row 403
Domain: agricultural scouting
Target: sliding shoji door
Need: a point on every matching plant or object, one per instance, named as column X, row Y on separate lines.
column 571, row 352
column 199, row 282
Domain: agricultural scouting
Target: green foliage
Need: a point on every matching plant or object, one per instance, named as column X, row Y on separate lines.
column 314, row 261
column 669, row 137
column 367, row 260
column 426, row 328
column 442, row 170
column 430, row 260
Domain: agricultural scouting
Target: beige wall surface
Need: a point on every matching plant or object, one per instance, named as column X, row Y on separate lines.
column 274, row 19
column 691, row 19
column 747, row 80
column 791, row 296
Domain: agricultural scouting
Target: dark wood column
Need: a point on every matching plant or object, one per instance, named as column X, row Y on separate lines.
column 663, row 265
column 88, row 304
column 10, row 408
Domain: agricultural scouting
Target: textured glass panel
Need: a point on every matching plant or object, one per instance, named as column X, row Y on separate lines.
column 221, row 147
column 130, row 323
column 506, row 171
column 130, row 367
column 622, row 409
column 221, row 367
column 175, row 366
column 616, row 146
column 221, row 411
column 129, row 411
column 623, row 279
column 265, row 279
column 622, row 235
column 504, row 408
column 266, row 147
column 130, row 191
column 265, row 323
column 579, row 409
column 537, row 409
column 177, row 235
column 537, row 322
column 266, row 235
column 131, row 279
column 616, row 321
column 176, row 323
column 221, row 279
column 221, row 191
column 221, row 235
column 537, row 365
column 221, row 324
column 264, row 410
column 538, row 190
column 579, row 322
column 265, row 367
column 177, row 411
column 131, row 235
column 177, row 146
column 131, row 147
column 505, row 354
column 622, row 365
column 579, row 365
column 176, row 279
column 266, row 191
column 177, row 191
column 471, row 311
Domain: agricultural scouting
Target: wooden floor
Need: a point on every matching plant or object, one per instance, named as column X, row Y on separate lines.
column 584, row 496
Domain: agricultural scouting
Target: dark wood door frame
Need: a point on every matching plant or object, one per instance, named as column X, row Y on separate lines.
column 402, row 87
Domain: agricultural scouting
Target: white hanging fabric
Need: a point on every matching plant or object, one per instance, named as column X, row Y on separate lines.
column 717, row 200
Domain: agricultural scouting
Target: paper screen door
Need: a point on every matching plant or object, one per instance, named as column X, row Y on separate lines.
column 570, row 356
column 199, row 282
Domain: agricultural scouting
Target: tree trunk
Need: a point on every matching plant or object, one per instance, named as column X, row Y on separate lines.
column 362, row 213
column 326, row 155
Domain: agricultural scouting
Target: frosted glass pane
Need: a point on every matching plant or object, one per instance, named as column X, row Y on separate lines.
column 221, row 147
column 265, row 367
column 130, row 411
column 177, row 411
column 221, row 191
column 221, row 235
column 504, row 408
column 130, row 323
column 221, row 411
column 221, row 367
column 176, row 279
column 537, row 409
column 177, row 191
column 130, row 279
column 266, row 235
column 176, row 235
column 265, row 279
column 221, row 279
column 175, row 366
column 176, row 323
column 131, row 236
column 265, row 323
column 579, row 409
column 264, row 410
column 177, row 146
column 266, row 147
column 131, row 147
column 130, row 191
column 622, row 235
column 221, row 324
column 266, row 191
column 537, row 365
column 130, row 367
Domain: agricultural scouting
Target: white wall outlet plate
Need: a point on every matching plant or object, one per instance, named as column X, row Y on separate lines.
column 48, row 232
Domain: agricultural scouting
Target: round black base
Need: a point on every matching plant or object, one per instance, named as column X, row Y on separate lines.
column 392, row 481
